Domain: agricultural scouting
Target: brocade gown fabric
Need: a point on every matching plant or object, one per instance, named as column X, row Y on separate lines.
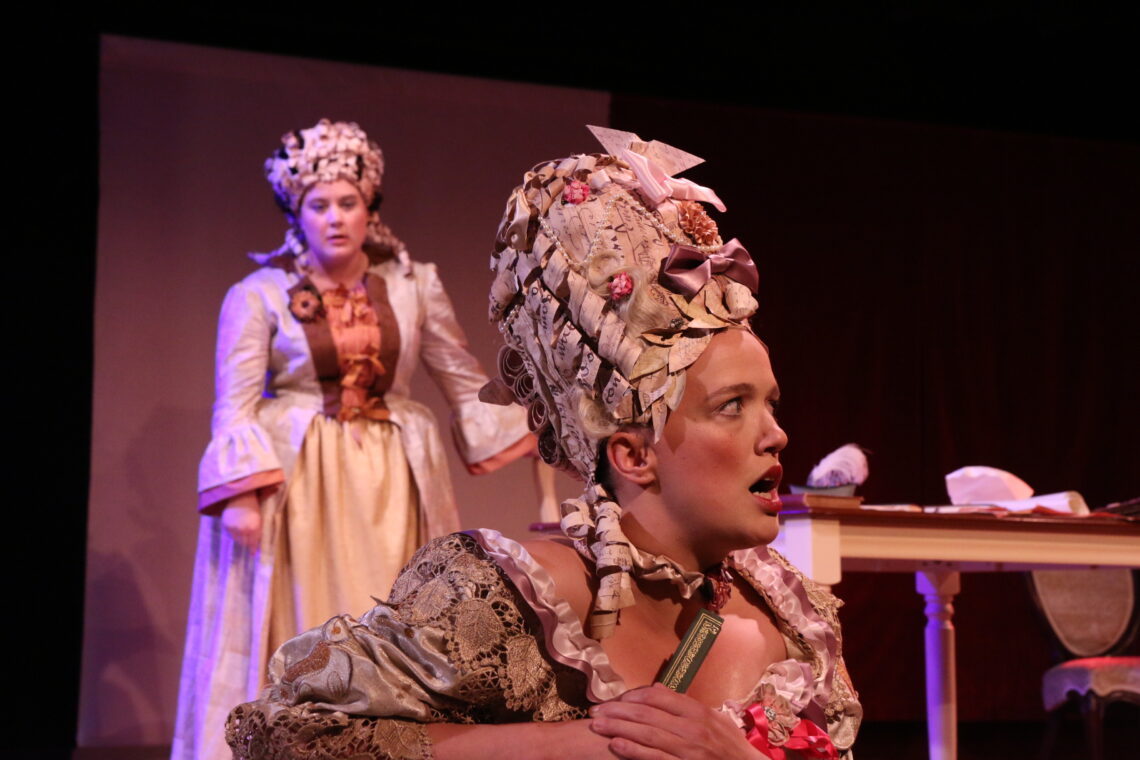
column 474, row 632
column 272, row 429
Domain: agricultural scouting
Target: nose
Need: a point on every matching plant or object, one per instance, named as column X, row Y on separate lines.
column 772, row 438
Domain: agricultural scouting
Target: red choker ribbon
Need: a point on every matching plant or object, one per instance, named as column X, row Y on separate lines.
column 717, row 587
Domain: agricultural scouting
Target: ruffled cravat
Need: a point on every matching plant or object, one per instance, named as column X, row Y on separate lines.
column 594, row 523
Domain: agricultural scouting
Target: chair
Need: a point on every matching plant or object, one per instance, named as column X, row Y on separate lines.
column 1093, row 615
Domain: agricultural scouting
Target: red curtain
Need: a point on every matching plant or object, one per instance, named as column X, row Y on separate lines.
column 944, row 297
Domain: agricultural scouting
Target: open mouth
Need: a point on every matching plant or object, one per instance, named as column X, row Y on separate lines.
column 768, row 484
column 764, row 485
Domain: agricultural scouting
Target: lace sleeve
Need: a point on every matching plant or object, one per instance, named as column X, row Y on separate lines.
column 453, row 644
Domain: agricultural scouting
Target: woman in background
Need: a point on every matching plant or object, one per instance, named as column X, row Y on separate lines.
column 322, row 476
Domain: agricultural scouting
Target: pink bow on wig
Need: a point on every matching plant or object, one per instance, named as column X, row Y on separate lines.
column 688, row 269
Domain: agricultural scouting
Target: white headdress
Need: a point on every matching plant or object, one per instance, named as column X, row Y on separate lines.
column 326, row 152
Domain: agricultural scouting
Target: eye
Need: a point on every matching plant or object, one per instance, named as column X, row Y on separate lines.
column 733, row 407
column 348, row 203
column 317, row 206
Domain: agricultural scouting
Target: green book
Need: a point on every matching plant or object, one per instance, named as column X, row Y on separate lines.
column 691, row 652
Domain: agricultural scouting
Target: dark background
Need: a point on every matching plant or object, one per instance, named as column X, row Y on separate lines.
column 943, row 213
column 944, row 297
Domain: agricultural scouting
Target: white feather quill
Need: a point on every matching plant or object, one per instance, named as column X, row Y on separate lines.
column 847, row 465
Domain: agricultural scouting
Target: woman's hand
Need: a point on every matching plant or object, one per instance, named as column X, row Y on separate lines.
column 242, row 520
column 654, row 723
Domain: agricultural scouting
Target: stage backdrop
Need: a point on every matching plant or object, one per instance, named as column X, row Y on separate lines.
column 184, row 131
column 942, row 296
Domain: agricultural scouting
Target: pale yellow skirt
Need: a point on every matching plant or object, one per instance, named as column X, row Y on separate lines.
column 350, row 520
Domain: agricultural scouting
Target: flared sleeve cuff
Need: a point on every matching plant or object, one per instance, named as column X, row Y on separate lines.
column 482, row 431
column 235, row 454
column 211, row 501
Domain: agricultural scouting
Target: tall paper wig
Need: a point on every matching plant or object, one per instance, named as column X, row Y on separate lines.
column 610, row 280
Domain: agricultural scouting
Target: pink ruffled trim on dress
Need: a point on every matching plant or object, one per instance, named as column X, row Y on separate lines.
column 566, row 641
column 796, row 681
column 210, row 500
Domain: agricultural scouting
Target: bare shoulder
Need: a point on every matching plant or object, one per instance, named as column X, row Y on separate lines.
column 573, row 581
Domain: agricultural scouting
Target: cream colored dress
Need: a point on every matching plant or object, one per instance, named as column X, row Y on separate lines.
column 345, row 501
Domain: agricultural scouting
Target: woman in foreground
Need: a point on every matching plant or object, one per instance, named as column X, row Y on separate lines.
column 626, row 322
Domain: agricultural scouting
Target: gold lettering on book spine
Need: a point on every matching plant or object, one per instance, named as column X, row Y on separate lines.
column 692, row 651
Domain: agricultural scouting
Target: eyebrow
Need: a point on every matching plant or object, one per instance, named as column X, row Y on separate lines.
column 332, row 198
column 733, row 390
column 742, row 388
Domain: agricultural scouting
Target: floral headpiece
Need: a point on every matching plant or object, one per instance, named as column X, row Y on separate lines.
column 610, row 280
column 327, row 152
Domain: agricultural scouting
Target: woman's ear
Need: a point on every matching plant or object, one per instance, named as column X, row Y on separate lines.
column 631, row 456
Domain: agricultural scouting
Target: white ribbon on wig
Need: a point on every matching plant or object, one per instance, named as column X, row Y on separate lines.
column 657, row 185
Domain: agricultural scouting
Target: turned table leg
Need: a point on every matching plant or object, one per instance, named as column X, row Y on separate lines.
column 938, row 588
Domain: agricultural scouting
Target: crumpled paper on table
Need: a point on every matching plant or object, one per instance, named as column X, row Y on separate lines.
column 980, row 485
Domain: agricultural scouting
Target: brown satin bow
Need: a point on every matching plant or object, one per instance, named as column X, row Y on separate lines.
column 360, row 370
column 687, row 269
column 372, row 408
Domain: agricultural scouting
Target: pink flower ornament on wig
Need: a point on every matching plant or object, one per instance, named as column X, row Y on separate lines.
column 621, row 286
column 576, row 192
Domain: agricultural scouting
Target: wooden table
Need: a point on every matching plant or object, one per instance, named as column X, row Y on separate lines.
column 937, row 547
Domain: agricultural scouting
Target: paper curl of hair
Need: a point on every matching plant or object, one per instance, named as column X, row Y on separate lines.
column 327, row 152
column 599, row 361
